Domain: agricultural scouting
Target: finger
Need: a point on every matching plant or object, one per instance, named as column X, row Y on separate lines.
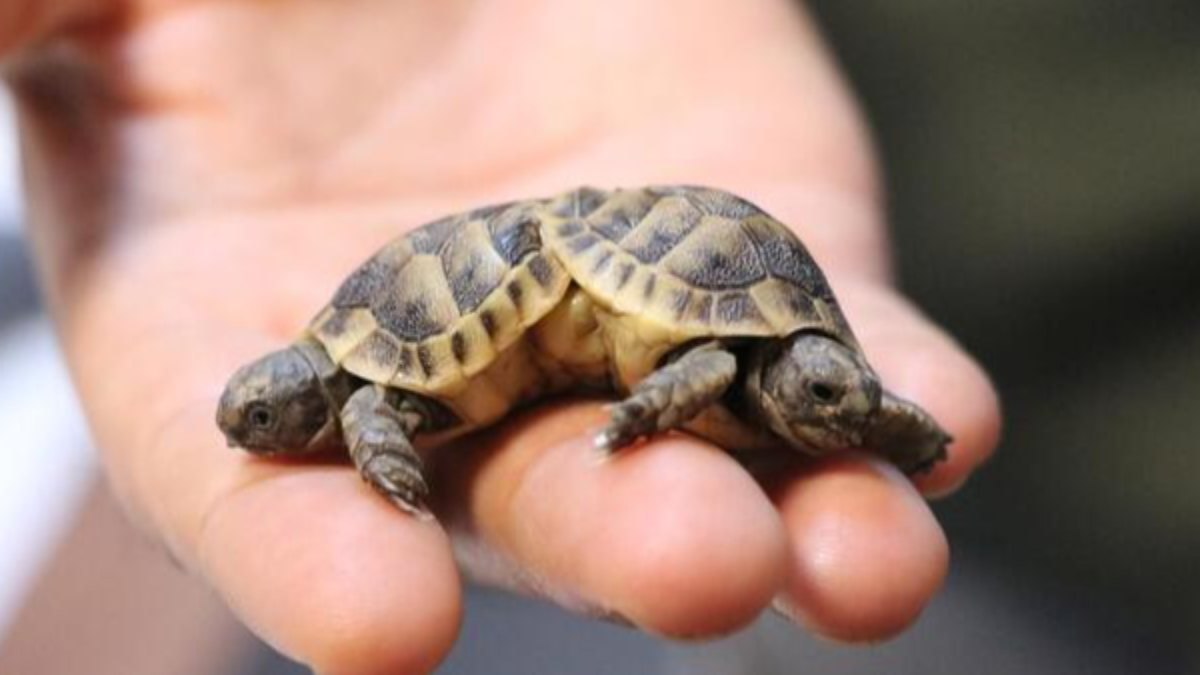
column 920, row 362
column 671, row 535
column 329, row 573
column 308, row 557
column 867, row 552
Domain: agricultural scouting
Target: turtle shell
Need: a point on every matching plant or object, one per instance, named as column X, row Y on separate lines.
column 692, row 262
column 437, row 305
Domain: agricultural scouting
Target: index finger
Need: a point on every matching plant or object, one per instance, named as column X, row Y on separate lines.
column 305, row 554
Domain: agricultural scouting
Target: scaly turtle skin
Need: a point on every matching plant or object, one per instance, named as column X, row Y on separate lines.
column 700, row 309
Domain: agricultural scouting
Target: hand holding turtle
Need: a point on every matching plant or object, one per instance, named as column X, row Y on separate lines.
column 196, row 197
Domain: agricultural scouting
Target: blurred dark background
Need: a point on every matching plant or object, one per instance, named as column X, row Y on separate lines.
column 1044, row 165
column 1043, row 160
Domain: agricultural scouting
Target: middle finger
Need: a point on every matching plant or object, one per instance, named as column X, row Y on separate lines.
column 673, row 535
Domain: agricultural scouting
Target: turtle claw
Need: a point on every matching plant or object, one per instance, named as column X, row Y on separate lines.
column 609, row 442
column 908, row 436
column 398, row 477
column 603, row 442
column 417, row 509
column 925, row 465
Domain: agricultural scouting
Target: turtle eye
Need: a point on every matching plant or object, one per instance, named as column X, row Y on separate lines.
column 260, row 416
column 823, row 391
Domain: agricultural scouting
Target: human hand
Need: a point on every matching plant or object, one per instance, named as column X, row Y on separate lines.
column 203, row 174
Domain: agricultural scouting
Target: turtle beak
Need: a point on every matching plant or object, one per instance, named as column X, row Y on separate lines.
column 229, row 420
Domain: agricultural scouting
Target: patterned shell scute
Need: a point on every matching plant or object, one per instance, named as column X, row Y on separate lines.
column 434, row 307
column 694, row 260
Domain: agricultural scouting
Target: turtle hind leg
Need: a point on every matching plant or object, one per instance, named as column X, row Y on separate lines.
column 907, row 436
column 378, row 436
column 670, row 396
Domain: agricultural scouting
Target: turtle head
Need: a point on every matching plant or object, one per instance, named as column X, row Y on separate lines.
column 279, row 403
column 818, row 394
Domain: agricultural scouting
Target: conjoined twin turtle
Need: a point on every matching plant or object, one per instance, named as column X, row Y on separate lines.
column 697, row 307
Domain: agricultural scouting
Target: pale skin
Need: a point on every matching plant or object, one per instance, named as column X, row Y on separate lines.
column 202, row 174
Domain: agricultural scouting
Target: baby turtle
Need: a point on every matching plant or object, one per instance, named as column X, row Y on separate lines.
column 697, row 307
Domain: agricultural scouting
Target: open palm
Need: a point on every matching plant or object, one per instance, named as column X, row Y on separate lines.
column 202, row 175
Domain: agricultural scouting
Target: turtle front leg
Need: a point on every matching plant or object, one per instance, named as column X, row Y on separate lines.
column 378, row 435
column 906, row 435
column 670, row 396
